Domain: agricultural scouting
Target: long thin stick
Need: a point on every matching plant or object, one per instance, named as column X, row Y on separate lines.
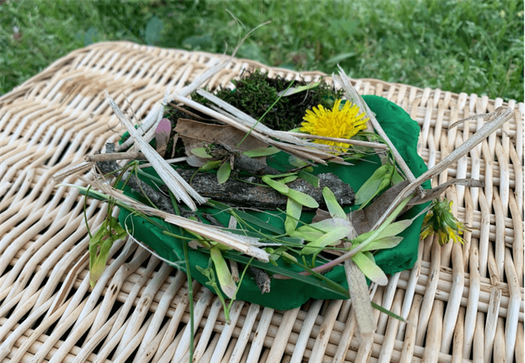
column 352, row 94
column 114, row 156
column 500, row 116
column 375, row 145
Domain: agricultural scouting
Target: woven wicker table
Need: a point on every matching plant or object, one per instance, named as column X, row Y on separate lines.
column 465, row 303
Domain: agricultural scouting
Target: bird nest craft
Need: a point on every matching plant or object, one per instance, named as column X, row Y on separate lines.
column 275, row 191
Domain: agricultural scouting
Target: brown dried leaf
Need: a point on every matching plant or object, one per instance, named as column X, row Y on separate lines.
column 194, row 134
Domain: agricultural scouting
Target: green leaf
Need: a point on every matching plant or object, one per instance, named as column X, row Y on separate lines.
column 333, row 206
column 295, row 161
column 387, row 312
column 100, row 245
column 302, row 198
column 153, row 30
column 395, row 228
column 223, row 273
column 374, row 185
column 331, row 238
column 306, row 234
column 383, row 243
column 392, row 229
column 261, row 151
column 293, row 214
column 397, row 178
column 327, row 225
column 281, row 175
column 309, row 178
column 210, row 165
column 370, row 269
column 201, row 153
column 367, row 191
column 294, row 90
column 223, row 174
column 288, row 179
column 310, row 232
column 280, row 187
column 248, row 218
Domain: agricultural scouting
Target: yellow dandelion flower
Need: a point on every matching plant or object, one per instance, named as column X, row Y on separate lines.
column 440, row 220
column 339, row 122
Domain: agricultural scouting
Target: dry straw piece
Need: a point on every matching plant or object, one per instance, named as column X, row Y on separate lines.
column 464, row 303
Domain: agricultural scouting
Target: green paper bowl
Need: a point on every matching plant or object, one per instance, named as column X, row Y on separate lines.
column 289, row 294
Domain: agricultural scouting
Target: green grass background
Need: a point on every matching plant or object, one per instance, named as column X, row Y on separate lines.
column 471, row 46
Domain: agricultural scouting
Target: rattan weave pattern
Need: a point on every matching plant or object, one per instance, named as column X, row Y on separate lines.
column 465, row 303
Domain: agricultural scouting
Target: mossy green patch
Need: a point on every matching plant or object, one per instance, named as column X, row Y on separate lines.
column 256, row 92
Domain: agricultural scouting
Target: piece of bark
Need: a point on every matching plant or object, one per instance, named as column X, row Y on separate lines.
column 235, row 271
column 115, row 156
column 238, row 193
column 262, row 279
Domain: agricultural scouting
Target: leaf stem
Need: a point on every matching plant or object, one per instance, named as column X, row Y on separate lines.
column 190, row 298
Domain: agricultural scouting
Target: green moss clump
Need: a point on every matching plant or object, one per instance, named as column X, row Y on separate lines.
column 255, row 93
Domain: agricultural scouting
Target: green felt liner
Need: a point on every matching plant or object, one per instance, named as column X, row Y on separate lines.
column 289, row 294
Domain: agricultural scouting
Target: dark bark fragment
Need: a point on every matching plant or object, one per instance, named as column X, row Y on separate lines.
column 262, row 279
column 237, row 193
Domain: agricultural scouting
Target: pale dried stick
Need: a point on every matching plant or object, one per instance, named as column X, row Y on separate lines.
column 357, row 99
column 114, row 156
column 189, row 113
column 232, row 224
column 169, row 161
column 244, row 244
column 375, row 145
column 152, row 118
column 499, row 117
column 178, row 186
column 81, row 167
column 155, row 115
